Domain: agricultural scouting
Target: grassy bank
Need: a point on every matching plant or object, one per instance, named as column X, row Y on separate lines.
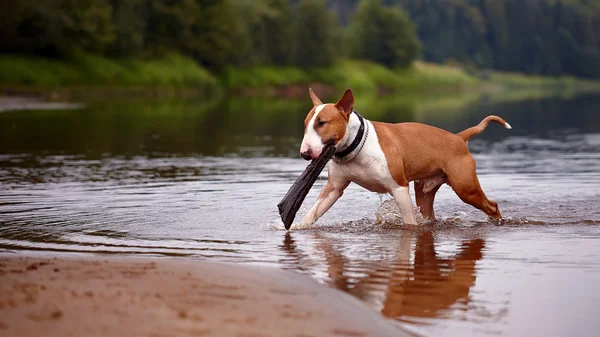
column 364, row 76
column 361, row 76
column 84, row 71
column 565, row 84
column 173, row 73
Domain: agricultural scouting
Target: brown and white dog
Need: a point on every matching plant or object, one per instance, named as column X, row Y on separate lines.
column 384, row 158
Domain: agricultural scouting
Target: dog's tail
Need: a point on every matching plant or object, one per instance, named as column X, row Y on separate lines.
column 475, row 130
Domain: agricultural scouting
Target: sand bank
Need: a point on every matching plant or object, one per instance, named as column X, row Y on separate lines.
column 66, row 295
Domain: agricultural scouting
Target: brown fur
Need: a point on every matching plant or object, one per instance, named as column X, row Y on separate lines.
column 403, row 285
column 416, row 152
column 477, row 129
column 334, row 116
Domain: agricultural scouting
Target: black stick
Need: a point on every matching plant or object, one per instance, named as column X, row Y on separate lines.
column 290, row 204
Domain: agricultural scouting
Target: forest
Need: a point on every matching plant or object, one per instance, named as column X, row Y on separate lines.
column 545, row 37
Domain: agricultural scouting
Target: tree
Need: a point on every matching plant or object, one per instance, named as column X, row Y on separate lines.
column 548, row 37
column 129, row 25
column 12, row 14
column 265, row 30
column 277, row 27
column 55, row 27
column 313, row 35
column 87, row 24
column 207, row 30
column 219, row 33
column 383, row 34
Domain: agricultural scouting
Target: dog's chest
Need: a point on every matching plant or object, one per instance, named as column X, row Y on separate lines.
column 369, row 168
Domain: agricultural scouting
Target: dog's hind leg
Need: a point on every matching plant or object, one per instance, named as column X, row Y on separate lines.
column 462, row 177
column 425, row 196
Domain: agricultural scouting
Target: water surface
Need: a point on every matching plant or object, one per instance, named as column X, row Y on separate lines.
column 201, row 180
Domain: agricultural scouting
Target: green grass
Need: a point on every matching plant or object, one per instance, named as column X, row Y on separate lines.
column 263, row 77
column 517, row 80
column 361, row 76
column 532, row 82
column 89, row 70
column 18, row 70
column 172, row 73
column 369, row 77
column 431, row 75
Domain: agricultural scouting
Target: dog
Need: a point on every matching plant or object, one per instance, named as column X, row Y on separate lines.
column 385, row 158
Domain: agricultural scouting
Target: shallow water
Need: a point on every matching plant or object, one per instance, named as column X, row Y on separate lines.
column 202, row 181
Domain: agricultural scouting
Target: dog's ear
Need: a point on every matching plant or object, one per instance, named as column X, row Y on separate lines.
column 346, row 103
column 316, row 101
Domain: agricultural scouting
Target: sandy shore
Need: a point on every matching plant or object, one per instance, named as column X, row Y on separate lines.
column 10, row 103
column 66, row 295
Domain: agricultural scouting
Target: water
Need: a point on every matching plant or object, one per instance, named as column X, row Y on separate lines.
column 201, row 180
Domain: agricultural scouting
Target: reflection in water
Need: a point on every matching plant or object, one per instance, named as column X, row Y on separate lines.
column 415, row 283
column 253, row 127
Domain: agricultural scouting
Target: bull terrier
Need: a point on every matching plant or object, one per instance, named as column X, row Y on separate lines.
column 384, row 158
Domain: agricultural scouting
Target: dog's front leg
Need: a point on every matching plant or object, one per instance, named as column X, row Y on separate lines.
column 402, row 196
column 328, row 196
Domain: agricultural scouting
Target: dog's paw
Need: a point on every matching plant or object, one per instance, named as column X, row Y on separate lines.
column 277, row 225
column 302, row 225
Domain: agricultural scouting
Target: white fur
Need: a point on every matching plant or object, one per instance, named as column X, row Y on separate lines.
column 311, row 140
column 324, row 204
column 368, row 169
column 351, row 131
column 506, row 125
column 402, row 196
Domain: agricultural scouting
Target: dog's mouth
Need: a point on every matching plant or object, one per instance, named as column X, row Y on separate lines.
column 330, row 141
column 308, row 155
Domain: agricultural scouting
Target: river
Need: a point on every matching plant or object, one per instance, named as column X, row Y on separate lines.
column 201, row 180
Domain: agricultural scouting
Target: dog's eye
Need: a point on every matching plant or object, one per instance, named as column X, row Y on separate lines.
column 321, row 123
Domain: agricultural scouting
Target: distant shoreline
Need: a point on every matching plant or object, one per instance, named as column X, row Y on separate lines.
column 99, row 295
column 178, row 76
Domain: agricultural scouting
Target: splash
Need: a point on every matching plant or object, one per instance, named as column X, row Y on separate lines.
column 515, row 220
column 388, row 217
column 278, row 226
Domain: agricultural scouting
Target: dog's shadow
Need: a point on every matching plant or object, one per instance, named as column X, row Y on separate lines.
column 415, row 283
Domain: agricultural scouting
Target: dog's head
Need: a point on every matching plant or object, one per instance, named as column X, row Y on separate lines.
column 325, row 124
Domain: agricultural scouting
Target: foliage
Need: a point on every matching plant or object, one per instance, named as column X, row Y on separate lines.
column 87, row 24
column 278, row 33
column 202, row 29
column 55, row 27
column 299, row 38
column 313, row 35
column 361, row 76
column 265, row 33
column 383, row 35
column 129, row 27
column 87, row 69
column 547, row 37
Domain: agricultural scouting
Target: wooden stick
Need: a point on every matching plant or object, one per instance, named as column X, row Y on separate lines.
column 290, row 204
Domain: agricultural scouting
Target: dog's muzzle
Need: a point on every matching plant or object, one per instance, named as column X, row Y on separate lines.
column 306, row 155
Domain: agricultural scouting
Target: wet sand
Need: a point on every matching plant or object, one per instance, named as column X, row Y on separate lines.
column 91, row 295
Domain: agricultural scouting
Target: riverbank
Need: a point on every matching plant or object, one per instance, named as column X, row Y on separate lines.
column 92, row 295
column 85, row 74
column 174, row 75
